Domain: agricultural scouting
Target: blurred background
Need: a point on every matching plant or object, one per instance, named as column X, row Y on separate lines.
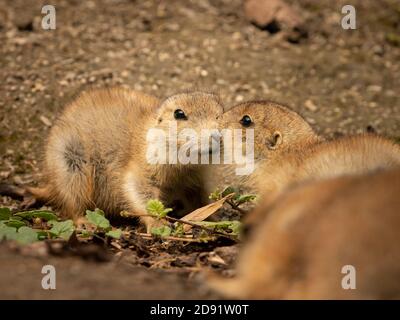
column 294, row 52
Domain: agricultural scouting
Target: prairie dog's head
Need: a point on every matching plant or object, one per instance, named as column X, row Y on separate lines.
column 189, row 119
column 276, row 127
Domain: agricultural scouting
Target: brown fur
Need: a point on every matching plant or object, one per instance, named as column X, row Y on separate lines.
column 299, row 154
column 268, row 118
column 96, row 152
column 309, row 233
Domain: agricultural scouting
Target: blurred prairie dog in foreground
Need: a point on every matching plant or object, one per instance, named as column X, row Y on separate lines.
column 306, row 237
column 96, row 153
column 287, row 150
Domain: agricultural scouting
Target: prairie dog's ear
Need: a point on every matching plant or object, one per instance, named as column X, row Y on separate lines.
column 275, row 141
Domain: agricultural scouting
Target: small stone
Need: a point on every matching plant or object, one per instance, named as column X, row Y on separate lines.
column 45, row 120
column 163, row 56
column 236, row 36
column 125, row 74
column 239, row 98
column 310, row 105
column 271, row 14
column 204, row 73
column 374, row 88
column 38, row 87
column 312, row 121
column 372, row 104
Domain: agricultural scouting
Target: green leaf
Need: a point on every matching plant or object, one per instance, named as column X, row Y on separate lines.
column 116, row 234
column 233, row 226
column 26, row 235
column 236, row 227
column 100, row 212
column 15, row 223
column 97, row 218
column 228, row 190
column 5, row 213
column 63, row 229
column 178, row 231
column 43, row 214
column 43, row 235
column 157, row 209
column 216, row 195
column 163, row 231
column 85, row 234
column 245, row 198
column 7, row 232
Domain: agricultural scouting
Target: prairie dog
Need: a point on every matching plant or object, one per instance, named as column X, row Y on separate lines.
column 315, row 229
column 277, row 132
column 96, row 152
column 287, row 150
column 351, row 155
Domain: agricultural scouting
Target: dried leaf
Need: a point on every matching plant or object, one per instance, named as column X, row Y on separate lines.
column 203, row 213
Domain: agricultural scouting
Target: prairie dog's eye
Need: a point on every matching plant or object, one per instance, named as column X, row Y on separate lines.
column 179, row 115
column 246, row 121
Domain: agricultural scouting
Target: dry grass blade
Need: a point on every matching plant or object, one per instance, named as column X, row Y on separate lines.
column 204, row 212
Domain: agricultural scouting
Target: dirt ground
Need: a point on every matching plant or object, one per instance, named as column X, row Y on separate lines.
column 342, row 81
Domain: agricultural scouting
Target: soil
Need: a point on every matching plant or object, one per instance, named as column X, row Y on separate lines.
column 342, row 81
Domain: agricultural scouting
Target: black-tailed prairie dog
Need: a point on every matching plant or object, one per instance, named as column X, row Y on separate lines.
column 287, row 150
column 332, row 239
column 277, row 131
column 96, row 154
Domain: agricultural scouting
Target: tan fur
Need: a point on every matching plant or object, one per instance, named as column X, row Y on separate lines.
column 96, row 152
column 309, row 233
column 268, row 118
column 350, row 155
column 300, row 154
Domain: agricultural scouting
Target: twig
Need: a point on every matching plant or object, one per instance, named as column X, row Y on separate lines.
column 150, row 236
column 235, row 206
column 162, row 261
column 222, row 234
column 189, row 223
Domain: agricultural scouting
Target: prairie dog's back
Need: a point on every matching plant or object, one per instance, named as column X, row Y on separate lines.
column 90, row 143
column 299, row 249
column 104, row 120
column 350, row 155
